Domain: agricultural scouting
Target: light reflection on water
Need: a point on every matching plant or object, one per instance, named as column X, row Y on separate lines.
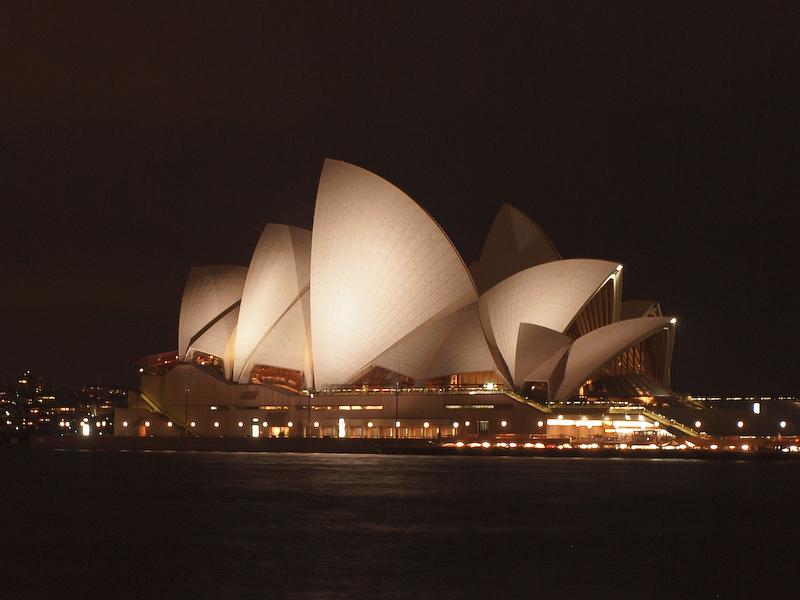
column 208, row 525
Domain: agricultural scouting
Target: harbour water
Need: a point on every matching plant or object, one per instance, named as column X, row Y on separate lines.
column 250, row 525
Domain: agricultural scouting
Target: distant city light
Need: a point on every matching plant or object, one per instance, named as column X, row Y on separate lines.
column 369, row 424
column 290, row 424
column 169, row 423
column 740, row 424
column 216, row 423
column 124, row 423
column 782, row 424
column 503, row 423
column 147, row 423
column 698, row 424
column 426, row 424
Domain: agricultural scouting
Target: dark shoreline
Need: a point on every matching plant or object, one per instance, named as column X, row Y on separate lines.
column 367, row 446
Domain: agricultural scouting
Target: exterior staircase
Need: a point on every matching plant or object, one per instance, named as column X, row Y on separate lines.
column 532, row 403
column 177, row 422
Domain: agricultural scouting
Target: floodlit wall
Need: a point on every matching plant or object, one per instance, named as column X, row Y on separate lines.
column 188, row 393
column 213, row 407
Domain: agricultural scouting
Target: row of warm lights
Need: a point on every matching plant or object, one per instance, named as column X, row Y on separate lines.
column 426, row 424
column 566, row 446
column 194, row 423
column 589, row 423
column 740, row 424
column 497, row 445
column 560, row 421
column 84, row 423
column 538, row 445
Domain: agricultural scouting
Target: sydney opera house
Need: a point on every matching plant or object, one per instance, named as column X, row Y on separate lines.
column 371, row 325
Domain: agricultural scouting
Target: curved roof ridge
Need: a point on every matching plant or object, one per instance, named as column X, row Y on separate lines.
column 515, row 242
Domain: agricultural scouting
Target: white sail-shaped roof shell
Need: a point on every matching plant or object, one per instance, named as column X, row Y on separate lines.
column 286, row 344
column 593, row 351
column 412, row 355
column 464, row 350
column 538, row 349
column 380, row 268
column 276, row 279
column 454, row 344
column 218, row 340
column 210, row 292
column 548, row 295
column 514, row 243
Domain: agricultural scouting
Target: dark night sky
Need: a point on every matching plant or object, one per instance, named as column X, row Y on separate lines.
column 137, row 142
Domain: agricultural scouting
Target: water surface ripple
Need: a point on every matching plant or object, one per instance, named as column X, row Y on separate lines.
column 228, row 525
